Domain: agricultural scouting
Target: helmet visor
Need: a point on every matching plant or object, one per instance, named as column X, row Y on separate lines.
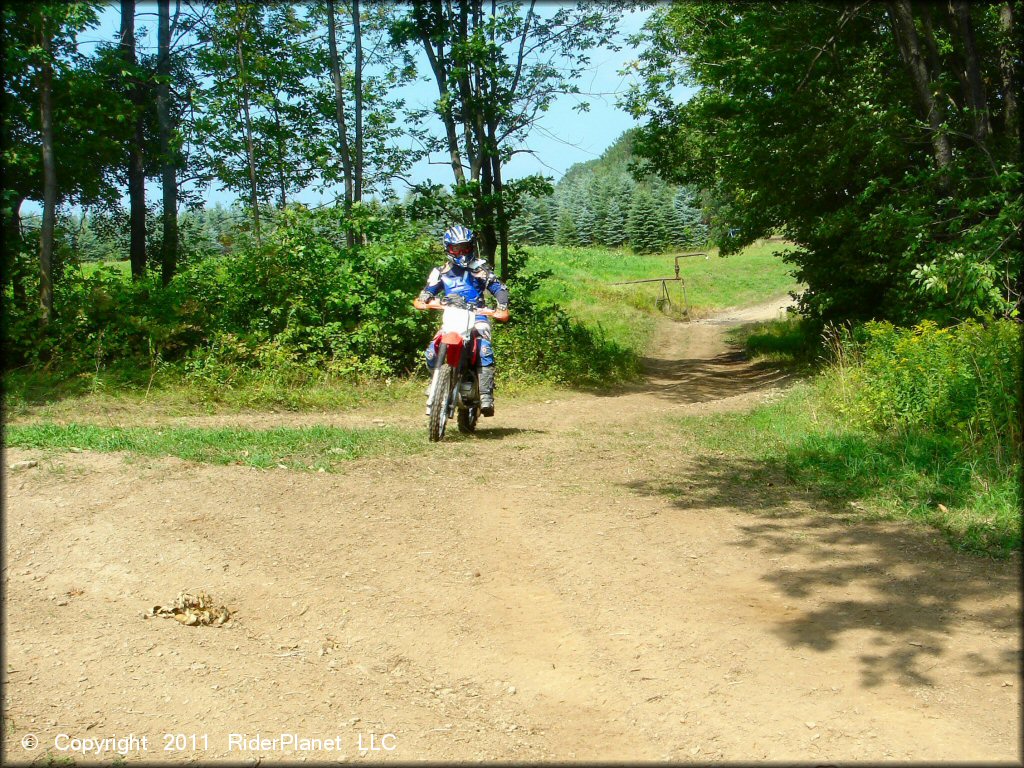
column 460, row 249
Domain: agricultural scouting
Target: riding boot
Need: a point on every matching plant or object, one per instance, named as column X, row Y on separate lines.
column 487, row 390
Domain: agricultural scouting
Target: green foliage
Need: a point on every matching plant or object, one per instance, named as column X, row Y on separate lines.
column 298, row 294
column 788, row 341
column 922, row 476
column 806, row 120
column 298, row 306
column 581, row 278
column 602, row 203
column 544, row 343
column 962, row 382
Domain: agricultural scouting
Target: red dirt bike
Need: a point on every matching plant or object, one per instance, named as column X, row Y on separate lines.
column 455, row 384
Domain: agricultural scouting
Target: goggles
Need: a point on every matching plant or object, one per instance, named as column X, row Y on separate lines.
column 460, row 249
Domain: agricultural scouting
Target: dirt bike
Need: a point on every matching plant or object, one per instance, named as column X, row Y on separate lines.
column 455, row 384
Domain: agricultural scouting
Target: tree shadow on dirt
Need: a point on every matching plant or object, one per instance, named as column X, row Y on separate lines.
column 701, row 380
column 900, row 583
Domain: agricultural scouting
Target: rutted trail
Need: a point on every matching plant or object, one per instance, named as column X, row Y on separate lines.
column 589, row 597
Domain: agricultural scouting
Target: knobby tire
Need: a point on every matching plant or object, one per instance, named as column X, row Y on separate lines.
column 442, row 397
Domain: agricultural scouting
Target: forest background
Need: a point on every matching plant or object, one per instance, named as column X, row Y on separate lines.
column 881, row 139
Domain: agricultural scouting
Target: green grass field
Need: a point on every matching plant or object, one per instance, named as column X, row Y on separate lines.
column 971, row 497
column 582, row 282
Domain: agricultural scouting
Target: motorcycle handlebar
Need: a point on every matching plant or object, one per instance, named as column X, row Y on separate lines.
column 439, row 306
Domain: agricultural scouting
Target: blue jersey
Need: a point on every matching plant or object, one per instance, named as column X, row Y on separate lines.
column 469, row 283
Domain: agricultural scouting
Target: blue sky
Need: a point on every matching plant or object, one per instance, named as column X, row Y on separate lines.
column 560, row 139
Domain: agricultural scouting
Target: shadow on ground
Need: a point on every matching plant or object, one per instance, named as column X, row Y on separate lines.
column 484, row 432
column 901, row 583
column 702, row 380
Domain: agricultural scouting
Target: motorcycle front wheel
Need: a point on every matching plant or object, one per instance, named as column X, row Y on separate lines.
column 442, row 397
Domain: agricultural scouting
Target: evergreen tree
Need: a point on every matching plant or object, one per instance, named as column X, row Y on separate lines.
column 643, row 225
column 566, row 233
column 688, row 213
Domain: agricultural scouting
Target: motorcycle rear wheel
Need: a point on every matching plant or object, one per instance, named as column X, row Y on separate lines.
column 442, row 397
column 468, row 418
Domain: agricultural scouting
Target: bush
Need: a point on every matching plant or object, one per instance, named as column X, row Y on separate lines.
column 295, row 305
column 962, row 381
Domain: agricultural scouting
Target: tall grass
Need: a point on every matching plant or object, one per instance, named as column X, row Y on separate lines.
column 963, row 382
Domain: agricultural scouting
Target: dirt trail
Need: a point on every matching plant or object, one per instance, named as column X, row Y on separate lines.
column 605, row 592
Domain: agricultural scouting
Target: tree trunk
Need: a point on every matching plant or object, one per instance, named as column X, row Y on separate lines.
column 282, row 182
column 492, row 129
column 910, row 48
column 1008, row 57
column 976, row 99
column 168, row 174
column 357, row 36
column 501, row 222
column 254, row 199
column 339, row 112
column 935, row 64
column 439, row 66
column 49, row 175
column 136, row 171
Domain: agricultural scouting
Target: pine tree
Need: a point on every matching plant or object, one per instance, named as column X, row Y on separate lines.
column 643, row 225
column 687, row 208
column 566, row 234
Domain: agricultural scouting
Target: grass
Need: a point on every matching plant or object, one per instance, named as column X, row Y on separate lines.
column 165, row 390
column 123, row 266
column 625, row 314
column 784, row 342
column 962, row 491
column 303, row 448
column 582, row 283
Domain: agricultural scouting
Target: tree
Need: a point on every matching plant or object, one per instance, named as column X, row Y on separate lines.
column 257, row 126
column 497, row 68
column 136, row 170
column 81, row 149
column 45, row 39
column 872, row 135
column 339, row 110
column 168, row 169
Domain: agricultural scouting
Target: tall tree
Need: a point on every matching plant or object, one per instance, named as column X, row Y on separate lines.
column 265, row 110
column 859, row 131
column 1009, row 70
column 83, row 150
column 339, row 108
column 497, row 68
column 168, row 170
column 357, row 90
column 45, row 41
column 362, row 74
column 136, row 167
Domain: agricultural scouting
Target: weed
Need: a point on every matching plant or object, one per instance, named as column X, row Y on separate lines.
column 305, row 448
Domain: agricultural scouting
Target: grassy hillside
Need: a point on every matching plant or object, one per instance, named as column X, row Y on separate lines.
column 582, row 282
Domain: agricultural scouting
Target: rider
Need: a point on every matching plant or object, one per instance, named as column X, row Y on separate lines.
column 467, row 276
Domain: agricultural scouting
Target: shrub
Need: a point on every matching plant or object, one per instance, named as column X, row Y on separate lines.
column 962, row 381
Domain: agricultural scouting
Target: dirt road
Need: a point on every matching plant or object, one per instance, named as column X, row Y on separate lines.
column 597, row 589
